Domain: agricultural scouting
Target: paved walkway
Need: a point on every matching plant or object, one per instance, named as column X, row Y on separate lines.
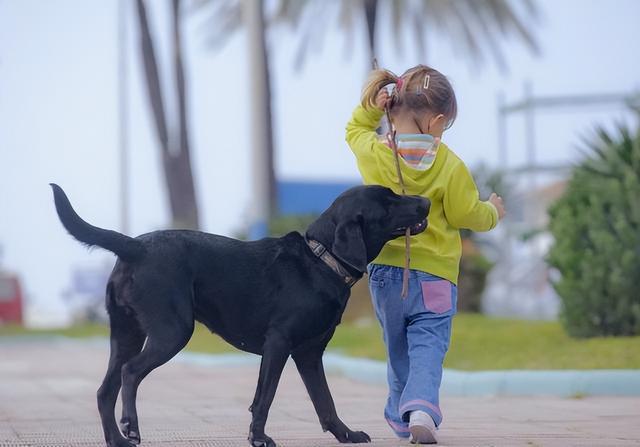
column 47, row 399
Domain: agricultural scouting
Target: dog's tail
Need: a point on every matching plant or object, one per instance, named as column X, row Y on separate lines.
column 127, row 248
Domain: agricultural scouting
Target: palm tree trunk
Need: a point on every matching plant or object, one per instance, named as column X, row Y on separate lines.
column 268, row 117
column 263, row 172
column 176, row 161
column 152, row 77
column 185, row 203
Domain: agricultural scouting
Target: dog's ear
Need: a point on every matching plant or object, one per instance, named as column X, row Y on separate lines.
column 349, row 246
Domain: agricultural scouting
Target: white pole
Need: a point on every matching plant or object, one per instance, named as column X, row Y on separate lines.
column 254, row 24
column 530, row 134
column 123, row 115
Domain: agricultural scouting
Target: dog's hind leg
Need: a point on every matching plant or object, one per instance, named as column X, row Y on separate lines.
column 165, row 338
column 309, row 364
column 126, row 341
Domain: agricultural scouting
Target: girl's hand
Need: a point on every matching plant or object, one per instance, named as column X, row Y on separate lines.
column 382, row 99
column 496, row 200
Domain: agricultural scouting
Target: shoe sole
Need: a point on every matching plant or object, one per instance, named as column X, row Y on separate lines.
column 422, row 435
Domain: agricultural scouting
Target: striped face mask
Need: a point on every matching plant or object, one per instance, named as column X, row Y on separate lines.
column 417, row 150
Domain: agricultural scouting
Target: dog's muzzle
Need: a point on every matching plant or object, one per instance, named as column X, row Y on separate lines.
column 413, row 229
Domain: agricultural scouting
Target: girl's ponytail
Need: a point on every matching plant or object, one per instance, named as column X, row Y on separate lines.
column 377, row 80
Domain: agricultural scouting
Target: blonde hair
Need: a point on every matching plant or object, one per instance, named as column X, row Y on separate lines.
column 419, row 89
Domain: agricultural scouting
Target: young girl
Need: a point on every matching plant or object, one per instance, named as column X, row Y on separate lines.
column 417, row 329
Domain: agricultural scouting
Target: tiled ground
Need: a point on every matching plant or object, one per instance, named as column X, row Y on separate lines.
column 47, row 399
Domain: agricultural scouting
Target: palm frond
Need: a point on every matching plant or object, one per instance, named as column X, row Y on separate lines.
column 313, row 31
column 398, row 17
column 484, row 23
column 290, row 12
column 508, row 21
column 464, row 36
column 473, row 27
column 223, row 20
column 347, row 19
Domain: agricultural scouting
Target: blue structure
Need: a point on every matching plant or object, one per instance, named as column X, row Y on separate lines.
column 301, row 197
column 258, row 230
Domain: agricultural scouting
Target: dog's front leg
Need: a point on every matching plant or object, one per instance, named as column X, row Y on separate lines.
column 274, row 356
column 309, row 364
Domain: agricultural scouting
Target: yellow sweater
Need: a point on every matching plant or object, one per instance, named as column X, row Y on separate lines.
column 454, row 197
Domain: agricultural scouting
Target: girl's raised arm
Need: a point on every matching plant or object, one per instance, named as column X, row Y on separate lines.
column 462, row 205
column 361, row 129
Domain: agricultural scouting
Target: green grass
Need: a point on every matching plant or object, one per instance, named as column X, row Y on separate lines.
column 478, row 343
column 483, row 343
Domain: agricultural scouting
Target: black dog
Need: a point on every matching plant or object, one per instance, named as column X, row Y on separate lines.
column 276, row 297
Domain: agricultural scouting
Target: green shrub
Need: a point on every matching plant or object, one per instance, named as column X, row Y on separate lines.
column 474, row 268
column 596, row 226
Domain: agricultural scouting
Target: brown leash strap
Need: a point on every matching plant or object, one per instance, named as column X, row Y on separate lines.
column 391, row 136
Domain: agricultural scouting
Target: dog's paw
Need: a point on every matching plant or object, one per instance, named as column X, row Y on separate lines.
column 354, row 437
column 120, row 442
column 133, row 437
column 262, row 441
column 130, row 432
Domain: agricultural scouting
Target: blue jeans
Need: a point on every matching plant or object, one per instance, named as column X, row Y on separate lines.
column 416, row 331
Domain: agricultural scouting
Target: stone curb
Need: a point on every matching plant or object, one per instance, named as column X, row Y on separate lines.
column 563, row 383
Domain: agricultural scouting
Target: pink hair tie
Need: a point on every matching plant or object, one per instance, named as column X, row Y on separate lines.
column 399, row 83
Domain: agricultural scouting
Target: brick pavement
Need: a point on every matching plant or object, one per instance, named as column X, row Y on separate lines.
column 47, row 399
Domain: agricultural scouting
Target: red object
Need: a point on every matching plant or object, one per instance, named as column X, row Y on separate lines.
column 11, row 300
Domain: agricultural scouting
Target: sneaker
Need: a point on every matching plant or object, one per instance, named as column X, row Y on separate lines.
column 422, row 428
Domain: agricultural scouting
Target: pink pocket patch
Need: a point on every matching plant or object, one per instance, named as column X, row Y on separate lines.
column 436, row 295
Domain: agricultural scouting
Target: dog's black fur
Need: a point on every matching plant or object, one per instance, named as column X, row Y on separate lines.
column 271, row 297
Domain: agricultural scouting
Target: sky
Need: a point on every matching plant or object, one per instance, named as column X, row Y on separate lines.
column 58, row 117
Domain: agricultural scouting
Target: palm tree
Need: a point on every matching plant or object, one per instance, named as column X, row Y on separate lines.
column 171, row 131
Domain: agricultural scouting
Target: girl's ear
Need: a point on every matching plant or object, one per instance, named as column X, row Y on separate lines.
column 437, row 125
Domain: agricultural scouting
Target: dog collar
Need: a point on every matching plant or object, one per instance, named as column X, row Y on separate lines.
column 321, row 252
